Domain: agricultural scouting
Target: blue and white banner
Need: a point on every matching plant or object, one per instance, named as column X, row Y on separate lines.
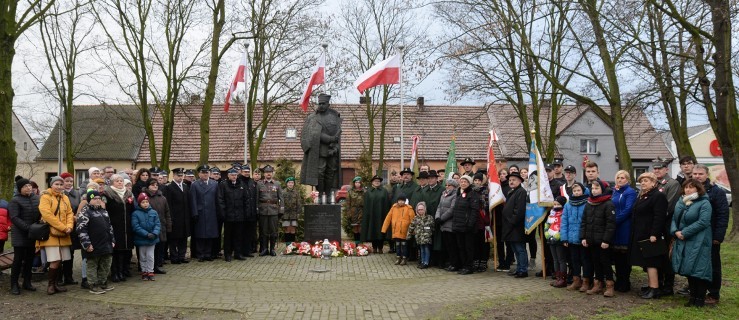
column 540, row 194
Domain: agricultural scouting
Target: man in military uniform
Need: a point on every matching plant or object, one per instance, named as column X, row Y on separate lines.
column 250, row 219
column 177, row 194
column 189, row 176
column 467, row 166
column 203, row 204
column 270, row 195
column 163, row 178
column 418, row 193
column 406, row 187
column 671, row 189
column 232, row 203
column 320, row 141
column 215, row 174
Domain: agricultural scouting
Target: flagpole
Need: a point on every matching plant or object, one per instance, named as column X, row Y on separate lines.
column 325, row 57
column 246, row 113
column 400, row 83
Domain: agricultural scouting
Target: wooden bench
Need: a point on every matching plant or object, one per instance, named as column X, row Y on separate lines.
column 6, row 260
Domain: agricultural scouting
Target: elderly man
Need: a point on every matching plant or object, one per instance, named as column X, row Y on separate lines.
column 203, row 202
column 178, row 194
column 270, row 197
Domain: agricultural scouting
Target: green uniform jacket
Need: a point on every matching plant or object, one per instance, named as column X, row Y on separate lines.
column 404, row 188
column 270, row 194
column 376, row 206
column 692, row 256
column 417, row 196
column 293, row 204
column 354, row 205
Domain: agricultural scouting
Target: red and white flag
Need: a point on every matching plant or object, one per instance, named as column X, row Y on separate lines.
column 240, row 76
column 495, row 195
column 315, row 79
column 385, row 72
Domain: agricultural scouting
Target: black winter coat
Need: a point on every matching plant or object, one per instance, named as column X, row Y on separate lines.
column 179, row 209
column 94, row 229
column 232, row 201
column 720, row 210
column 119, row 211
column 23, row 212
column 648, row 219
column 466, row 210
column 598, row 222
column 250, row 186
column 514, row 215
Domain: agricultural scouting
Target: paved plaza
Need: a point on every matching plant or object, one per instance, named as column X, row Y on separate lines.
column 299, row 287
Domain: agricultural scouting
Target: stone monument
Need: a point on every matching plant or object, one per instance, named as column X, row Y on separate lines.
column 321, row 144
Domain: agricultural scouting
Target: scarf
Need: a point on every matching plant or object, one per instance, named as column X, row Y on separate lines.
column 599, row 199
column 578, row 201
column 688, row 198
column 120, row 192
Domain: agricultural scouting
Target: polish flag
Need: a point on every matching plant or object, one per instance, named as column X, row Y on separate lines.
column 315, row 79
column 385, row 72
column 240, row 76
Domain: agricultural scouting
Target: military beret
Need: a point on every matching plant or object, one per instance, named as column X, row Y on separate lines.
column 290, row 179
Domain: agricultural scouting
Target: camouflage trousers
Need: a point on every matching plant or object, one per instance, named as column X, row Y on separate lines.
column 98, row 269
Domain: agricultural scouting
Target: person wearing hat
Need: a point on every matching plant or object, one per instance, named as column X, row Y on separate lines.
column 482, row 247
column 163, row 178
column 119, row 205
column 97, row 239
column 270, row 198
column 422, row 182
column 354, row 207
column 441, row 176
column 189, row 176
column 648, row 222
column 146, row 228
column 557, row 170
column 407, row 186
column 215, row 173
column 581, row 266
column 467, row 166
column 671, row 188
column 92, row 174
column 159, row 203
column 570, row 178
column 232, row 202
column 321, row 144
column 250, row 213
column 374, row 210
column 203, row 204
column 513, row 229
column 431, row 196
column 177, row 193
column 57, row 212
column 443, row 218
column 23, row 210
column 292, row 200
column 553, row 237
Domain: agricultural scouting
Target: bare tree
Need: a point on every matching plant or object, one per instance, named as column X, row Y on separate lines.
column 284, row 37
column 152, row 70
column 721, row 105
column 374, row 30
column 13, row 23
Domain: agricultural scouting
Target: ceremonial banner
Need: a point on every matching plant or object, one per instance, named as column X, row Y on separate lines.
column 315, row 79
column 495, row 195
column 385, row 72
column 451, row 160
column 240, row 76
column 540, row 194
column 414, row 154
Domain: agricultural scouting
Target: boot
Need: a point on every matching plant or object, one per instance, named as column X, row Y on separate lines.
column 597, row 287
column 585, row 285
column 263, row 247
column 699, row 303
column 56, row 283
column 52, row 281
column 691, row 302
column 576, row 284
column 397, row 262
column 561, row 282
column 609, row 288
column 403, row 261
column 272, row 245
column 27, row 285
column 68, row 272
column 15, row 289
column 651, row 293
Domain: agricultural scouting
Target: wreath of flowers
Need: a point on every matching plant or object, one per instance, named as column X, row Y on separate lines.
column 290, row 249
column 347, row 249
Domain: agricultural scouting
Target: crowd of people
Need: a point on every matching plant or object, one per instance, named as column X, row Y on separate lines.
column 667, row 226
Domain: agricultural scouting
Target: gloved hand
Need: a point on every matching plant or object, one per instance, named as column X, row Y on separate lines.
column 438, row 220
column 151, row 236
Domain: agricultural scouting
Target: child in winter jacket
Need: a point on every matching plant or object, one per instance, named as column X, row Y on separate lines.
column 146, row 229
column 96, row 237
column 422, row 227
column 582, row 268
column 4, row 224
column 552, row 233
column 400, row 217
column 596, row 231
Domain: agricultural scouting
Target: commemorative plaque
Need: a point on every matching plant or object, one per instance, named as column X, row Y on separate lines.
column 322, row 221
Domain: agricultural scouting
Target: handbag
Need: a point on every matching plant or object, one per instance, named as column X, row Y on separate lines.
column 39, row 231
column 650, row 249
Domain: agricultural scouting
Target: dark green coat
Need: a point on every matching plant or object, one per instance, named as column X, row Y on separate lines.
column 376, row 207
column 417, row 196
column 404, row 188
column 692, row 256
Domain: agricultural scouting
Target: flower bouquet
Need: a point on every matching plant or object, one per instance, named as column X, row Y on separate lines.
column 349, row 249
column 304, row 248
column 362, row 250
column 314, row 196
column 315, row 250
column 290, row 248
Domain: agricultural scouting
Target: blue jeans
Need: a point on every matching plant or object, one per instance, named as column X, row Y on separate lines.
column 425, row 253
column 401, row 248
column 522, row 259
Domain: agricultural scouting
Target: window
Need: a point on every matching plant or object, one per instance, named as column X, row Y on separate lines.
column 589, row 146
column 385, row 179
column 291, row 133
column 25, row 146
column 80, row 176
column 639, row 170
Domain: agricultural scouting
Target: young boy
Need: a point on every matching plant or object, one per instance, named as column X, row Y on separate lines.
column 422, row 228
column 96, row 238
column 146, row 229
column 400, row 217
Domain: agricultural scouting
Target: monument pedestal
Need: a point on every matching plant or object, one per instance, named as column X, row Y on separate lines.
column 322, row 221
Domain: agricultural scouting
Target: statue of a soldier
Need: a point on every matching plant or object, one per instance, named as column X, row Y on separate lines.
column 321, row 141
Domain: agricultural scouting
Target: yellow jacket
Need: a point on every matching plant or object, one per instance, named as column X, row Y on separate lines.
column 400, row 217
column 63, row 220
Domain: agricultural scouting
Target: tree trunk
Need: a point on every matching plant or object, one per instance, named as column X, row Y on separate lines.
column 68, row 124
column 8, row 158
column 210, row 87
